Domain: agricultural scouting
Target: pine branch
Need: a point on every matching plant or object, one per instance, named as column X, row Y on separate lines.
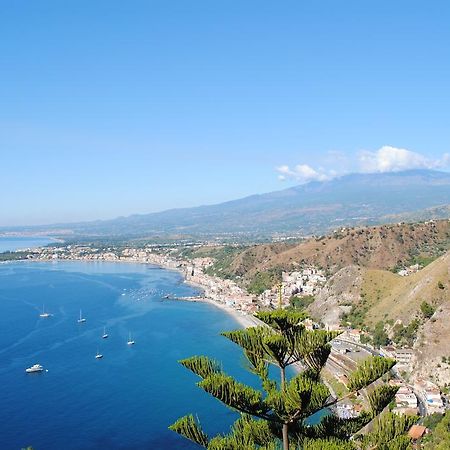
column 312, row 348
column 190, row 428
column 281, row 319
column 326, row 444
column 201, row 365
column 389, row 432
column 235, row 395
column 332, row 425
column 369, row 371
column 251, row 340
column 381, row 397
column 304, row 394
column 246, row 434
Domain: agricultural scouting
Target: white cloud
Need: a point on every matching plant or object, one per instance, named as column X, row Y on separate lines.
column 385, row 159
column 393, row 159
column 302, row 173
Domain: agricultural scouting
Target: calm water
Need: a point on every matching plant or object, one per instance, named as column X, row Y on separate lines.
column 10, row 244
column 127, row 399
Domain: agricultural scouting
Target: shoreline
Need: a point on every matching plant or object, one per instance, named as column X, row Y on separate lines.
column 245, row 320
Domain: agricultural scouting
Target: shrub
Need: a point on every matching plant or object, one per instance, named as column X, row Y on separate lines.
column 427, row 310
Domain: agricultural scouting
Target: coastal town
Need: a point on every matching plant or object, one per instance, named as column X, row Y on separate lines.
column 415, row 396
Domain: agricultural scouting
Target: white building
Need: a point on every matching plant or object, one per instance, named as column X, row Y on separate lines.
column 405, row 398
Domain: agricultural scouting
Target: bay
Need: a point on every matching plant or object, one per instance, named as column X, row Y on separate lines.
column 127, row 399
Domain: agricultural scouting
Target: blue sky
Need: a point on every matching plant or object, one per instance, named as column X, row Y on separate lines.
column 110, row 108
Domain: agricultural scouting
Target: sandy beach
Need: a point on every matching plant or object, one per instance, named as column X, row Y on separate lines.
column 245, row 320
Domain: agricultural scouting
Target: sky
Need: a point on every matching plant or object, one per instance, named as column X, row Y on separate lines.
column 110, row 108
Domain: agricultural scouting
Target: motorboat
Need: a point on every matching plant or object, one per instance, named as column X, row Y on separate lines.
column 34, row 369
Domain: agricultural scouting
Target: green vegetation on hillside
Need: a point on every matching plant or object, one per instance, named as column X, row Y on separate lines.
column 439, row 439
column 405, row 335
column 356, row 317
column 427, row 310
column 223, row 257
column 432, row 420
column 264, row 280
column 301, row 303
column 380, row 337
column 13, row 256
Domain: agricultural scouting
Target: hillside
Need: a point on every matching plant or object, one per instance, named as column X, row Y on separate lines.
column 379, row 295
column 363, row 286
column 367, row 297
column 378, row 247
column 313, row 208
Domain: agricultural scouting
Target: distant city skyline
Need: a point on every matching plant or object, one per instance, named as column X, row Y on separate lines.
column 116, row 108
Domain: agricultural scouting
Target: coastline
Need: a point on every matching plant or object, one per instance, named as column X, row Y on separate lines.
column 244, row 319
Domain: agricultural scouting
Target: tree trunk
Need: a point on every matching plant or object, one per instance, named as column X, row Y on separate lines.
column 285, row 437
column 285, row 425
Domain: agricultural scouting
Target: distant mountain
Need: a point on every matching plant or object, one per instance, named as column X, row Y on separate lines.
column 312, row 208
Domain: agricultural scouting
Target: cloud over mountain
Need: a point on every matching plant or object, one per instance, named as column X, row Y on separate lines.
column 393, row 159
column 386, row 159
column 303, row 173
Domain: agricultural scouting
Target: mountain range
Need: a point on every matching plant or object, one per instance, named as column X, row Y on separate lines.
column 312, row 208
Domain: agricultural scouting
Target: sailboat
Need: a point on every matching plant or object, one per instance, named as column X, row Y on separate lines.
column 105, row 334
column 43, row 313
column 81, row 319
column 98, row 355
column 130, row 341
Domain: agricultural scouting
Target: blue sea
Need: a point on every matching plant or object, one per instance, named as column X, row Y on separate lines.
column 10, row 244
column 125, row 400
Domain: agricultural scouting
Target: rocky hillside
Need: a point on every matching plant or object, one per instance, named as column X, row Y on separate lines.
column 337, row 297
column 381, row 247
column 367, row 297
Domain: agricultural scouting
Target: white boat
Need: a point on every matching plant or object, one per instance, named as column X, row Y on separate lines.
column 81, row 319
column 130, row 341
column 43, row 313
column 34, row 369
column 98, row 355
column 105, row 334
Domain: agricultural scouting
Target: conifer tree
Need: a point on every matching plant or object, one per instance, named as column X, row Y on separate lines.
column 277, row 416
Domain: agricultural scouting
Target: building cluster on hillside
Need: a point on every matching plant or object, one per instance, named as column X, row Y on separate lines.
column 405, row 271
column 307, row 281
column 351, row 334
column 403, row 356
column 347, row 410
column 431, row 396
column 217, row 289
column 406, row 401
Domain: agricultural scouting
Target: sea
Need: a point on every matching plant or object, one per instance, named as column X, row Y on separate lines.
column 22, row 242
column 127, row 399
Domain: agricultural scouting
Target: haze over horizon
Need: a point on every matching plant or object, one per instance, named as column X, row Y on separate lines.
column 111, row 109
column 423, row 172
